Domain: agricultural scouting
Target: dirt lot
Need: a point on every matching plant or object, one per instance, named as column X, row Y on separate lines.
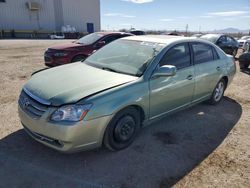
column 204, row 146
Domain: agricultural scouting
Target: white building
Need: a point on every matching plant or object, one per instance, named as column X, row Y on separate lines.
column 49, row 15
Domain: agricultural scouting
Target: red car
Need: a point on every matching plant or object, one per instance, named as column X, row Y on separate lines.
column 80, row 49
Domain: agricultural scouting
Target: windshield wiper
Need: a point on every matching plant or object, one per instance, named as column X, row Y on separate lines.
column 109, row 69
column 113, row 70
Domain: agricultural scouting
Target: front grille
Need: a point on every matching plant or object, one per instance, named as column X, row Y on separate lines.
column 241, row 44
column 31, row 106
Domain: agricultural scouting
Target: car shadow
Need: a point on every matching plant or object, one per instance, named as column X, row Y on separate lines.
column 162, row 154
column 246, row 71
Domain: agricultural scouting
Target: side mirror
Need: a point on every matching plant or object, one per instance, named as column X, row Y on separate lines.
column 165, row 71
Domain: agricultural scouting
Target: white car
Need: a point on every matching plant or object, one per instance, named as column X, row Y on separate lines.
column 244, row 42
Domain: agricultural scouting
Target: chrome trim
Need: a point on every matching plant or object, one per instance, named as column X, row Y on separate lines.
column 42, row 101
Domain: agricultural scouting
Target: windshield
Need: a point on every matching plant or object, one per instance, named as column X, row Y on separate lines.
column 125, row 56
column 245, row 38
column 210, row 37
column 89, row 39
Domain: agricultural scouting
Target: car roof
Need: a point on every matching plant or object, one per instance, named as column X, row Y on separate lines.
column 213, row 35
column 166, row 39
column 163, row 39
column 111, row 33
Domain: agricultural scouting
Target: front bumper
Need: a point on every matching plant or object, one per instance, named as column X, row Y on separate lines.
column 51, row 61
column 65, row 137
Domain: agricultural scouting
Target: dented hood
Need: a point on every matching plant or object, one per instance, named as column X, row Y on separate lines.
column 70, row 83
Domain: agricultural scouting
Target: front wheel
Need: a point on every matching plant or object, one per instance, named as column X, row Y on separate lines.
column 122, row 129
column 218, row 92
column 78, row 58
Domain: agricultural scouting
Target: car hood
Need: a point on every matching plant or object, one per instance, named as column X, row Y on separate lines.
column 70, row 83
column 66, row 46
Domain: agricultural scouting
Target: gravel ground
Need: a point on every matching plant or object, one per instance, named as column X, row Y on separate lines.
column 203, row 146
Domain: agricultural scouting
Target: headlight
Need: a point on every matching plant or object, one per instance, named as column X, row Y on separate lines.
column 60, row 54
column 71, row 113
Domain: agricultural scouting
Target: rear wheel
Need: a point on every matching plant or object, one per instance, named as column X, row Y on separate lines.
column 122, row 129
column 218, row 92
column 78, row 58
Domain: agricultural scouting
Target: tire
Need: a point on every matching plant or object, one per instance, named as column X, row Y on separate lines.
column 218, row 92
column 244, row 65
column 78, row 58
column 122, row 129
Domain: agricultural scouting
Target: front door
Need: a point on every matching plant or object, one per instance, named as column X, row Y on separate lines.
column 170, row 93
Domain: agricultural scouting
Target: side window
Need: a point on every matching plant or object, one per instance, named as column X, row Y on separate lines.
column 231, row 40
column 110, row 38
column 215, row 53
column 178, row 56
column 202, row 53
column 223, row 39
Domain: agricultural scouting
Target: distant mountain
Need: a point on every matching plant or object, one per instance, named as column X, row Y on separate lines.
column 230, row 30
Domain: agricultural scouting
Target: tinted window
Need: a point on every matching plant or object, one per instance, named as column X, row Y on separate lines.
column 178, row 56
column 202, row 53
column 230, row 40
column 222, row 39
column 111, row 38
column 89, row 39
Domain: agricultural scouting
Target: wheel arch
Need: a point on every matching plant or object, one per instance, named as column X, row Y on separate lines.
column 225, row 78
column 78, row 55
column 135, row 106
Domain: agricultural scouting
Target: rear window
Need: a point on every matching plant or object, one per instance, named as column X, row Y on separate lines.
column 202, row 53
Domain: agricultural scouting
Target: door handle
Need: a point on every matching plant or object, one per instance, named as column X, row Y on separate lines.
column 218, row 68
column 190, row 77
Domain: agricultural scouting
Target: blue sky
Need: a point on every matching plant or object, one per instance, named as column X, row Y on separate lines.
column 206, row 15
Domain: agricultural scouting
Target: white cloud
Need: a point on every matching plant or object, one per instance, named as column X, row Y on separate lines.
column 183, row 17
column 166, row 20
column 206, row 16
column 228, row 13
column 139, row 1
column 126, row 24
column 119, row 15
column 246, row 16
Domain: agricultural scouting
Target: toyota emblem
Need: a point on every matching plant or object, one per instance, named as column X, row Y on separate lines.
column 26, row 103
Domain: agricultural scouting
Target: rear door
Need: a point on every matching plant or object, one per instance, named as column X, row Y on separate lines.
column 170, row 93
column 207, row 69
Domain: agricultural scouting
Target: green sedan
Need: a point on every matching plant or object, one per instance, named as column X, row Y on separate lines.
column 122, row 87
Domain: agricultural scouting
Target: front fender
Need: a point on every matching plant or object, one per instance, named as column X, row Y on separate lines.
column 112, row 101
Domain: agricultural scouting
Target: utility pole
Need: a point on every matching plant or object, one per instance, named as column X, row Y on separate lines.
column 186, row 29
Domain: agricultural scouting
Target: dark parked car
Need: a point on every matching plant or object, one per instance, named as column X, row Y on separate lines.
column 137, row 32
column 244, row 59
column 80, row 49
column 227, row 43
